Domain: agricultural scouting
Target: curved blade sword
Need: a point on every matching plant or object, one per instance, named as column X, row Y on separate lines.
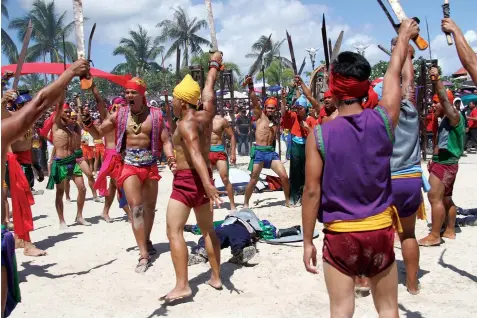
column 337, row 47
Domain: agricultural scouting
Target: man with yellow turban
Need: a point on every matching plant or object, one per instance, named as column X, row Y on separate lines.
column 263, row 154
column 193, row 186
column 140, row 137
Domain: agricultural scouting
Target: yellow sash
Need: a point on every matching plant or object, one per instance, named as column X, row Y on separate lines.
column 379, row 221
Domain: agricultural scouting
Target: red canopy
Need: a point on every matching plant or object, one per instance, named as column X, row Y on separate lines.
column 58, row 68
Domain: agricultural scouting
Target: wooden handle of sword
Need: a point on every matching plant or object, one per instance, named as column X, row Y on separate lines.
column 449, row 39
column 446, row 12
column 420, row 43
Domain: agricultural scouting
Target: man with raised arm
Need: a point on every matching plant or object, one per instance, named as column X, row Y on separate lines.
column 140, row 137
column 348, row 183
column 193, row 187
column 13, row 127
column 445, row 163
column 218, row 154
column 262, row 154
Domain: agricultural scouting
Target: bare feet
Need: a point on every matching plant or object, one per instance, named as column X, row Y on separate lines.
column 430, row 240
column 98, row 199
column 215, row 283
column 81, row 220
column 106, row 217
column 19, row 243
column 176, row 294
column 32, row 250
column 450, row 234
column 63, row 225
column 233, row 209
column 413, row 290
column 68, row 199
column 288, row 205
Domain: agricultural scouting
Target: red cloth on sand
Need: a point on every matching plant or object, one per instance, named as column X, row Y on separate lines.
column 143, row 173
column 359, row 253
column 22, row 199
column 188, row 189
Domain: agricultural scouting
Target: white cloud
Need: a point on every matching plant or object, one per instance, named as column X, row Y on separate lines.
column 240, row 23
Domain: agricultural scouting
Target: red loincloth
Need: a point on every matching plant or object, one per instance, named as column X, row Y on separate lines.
column 22, row 199
column 359, row 253
column 217, row 156
column 143, row 173
column 188, row 189
column 112, row 167
column 23, row 157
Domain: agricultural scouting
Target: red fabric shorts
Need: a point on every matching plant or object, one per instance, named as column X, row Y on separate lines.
column 445, row 173
column 143, row 173
column 187, row 188
column 359, row 253
column 88, row 152
column 99, row 150
column 217, row 156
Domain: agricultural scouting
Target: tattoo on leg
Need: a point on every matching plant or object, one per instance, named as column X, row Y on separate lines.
column 138, row 216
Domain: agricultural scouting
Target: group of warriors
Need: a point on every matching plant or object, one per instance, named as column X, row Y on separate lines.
column 355, row 165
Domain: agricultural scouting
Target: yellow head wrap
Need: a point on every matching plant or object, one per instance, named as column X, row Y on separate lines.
column 72, row 114
column 188, row 90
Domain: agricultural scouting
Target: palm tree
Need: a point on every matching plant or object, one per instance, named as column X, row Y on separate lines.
column 203, row 60
column 275, row 75
column 140, row 51
column 32, row 82
column 8, row 46
column 48, row 30
column 272, row 52
column 182, row 31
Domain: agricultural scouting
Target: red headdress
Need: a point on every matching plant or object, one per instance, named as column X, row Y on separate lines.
column 346, row 88
column 271, row 101
column 450, row 97
column 138, row 85
column 327, row 94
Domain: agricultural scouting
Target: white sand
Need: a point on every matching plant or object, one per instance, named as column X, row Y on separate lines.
column 89, row 271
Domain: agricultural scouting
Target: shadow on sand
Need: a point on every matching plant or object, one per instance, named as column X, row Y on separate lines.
column 227, row 270
column 402, row 272
column 52, row 240
column 161, row 248
column 410, row 314
column 455, row 269
column 42, row 270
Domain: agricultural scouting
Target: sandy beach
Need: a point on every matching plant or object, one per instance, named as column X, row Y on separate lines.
column 89, row 271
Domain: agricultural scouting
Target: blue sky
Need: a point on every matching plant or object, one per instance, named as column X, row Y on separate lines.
column 240, row 22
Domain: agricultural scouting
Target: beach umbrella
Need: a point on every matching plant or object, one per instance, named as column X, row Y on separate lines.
column 275, row 88
column 466, row 99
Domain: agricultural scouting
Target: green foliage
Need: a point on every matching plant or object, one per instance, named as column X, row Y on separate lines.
column 272, row 52
column 276, row 75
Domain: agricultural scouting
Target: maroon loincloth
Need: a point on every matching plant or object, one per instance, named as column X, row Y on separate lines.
column 359, row 253
column 188, row 189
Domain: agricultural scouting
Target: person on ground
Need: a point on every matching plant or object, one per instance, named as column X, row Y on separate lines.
column 262, row 154
column 193, row 187
column 349, row 189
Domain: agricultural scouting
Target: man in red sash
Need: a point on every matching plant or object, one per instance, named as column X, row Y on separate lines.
column 140, row 137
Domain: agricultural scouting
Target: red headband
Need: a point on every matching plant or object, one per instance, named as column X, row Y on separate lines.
column 66, row 106
column 137, row 84
column 346, row 88
column 271, row 101
column 327, row 94
column 450, row 97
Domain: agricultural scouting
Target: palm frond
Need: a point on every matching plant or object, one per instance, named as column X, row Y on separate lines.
column 9, row 48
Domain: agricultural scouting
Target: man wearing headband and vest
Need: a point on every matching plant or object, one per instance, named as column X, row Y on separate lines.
column 262, row 154
column 445, row 163
column 140, row 136
column 112, row 161
column 300, row 125
column 348, row 183
column 218, row 154
column 193, row 187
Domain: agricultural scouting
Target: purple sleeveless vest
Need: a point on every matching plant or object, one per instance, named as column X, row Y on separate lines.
column 356, row 152
column 121, row 124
